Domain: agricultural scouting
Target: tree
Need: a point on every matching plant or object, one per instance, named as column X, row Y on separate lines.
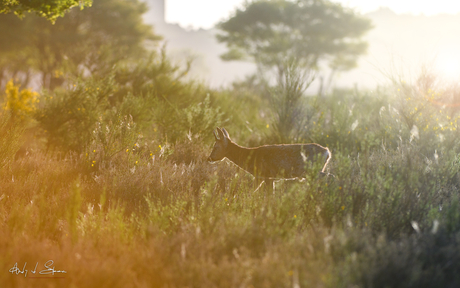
column 86, row 42
column 289, row 112
column 50, row 9
column 274, row 32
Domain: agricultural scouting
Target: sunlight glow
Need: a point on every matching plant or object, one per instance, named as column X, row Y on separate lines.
column 449, row 68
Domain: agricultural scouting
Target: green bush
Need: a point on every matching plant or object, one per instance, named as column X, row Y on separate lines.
column 68, row 117
column 139, row 194
column 152, row 93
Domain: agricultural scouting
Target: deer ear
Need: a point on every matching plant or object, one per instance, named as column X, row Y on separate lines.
column 215, row 135
column 225, row 133
column 220, row 133
column 222, row 136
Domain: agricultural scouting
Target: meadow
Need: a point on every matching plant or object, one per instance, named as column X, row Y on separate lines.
column 107, row 176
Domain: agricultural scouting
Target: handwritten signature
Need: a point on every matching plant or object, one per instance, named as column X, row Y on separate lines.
column 49, row 269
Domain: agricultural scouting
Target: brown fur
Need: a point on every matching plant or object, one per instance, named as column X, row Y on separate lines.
column 270, row 162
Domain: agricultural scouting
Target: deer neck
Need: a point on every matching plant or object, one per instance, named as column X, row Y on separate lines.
column 241, row 156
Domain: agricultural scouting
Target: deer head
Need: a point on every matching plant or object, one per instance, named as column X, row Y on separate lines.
column 219, row 150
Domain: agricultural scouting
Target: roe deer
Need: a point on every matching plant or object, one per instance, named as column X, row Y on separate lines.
column 271, row 162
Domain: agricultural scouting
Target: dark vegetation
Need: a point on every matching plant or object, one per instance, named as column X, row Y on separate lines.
column 104, row 172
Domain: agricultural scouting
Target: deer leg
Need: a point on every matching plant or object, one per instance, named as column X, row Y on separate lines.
column 269, row 186
column 257, row 183
column 324, row 174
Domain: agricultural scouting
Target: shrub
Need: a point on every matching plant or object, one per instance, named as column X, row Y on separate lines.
column 21, row 104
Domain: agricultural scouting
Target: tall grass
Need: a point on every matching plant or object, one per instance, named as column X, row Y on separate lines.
column 133, row 208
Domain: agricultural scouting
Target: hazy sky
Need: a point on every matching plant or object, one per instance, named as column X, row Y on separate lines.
column 206, row 13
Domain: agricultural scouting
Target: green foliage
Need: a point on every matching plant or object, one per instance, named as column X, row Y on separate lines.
column 130, row 166
column 202, row 117
column 68, row 118
column 174, row 107
column 269, row 32
column 418, row 260
column 288, row 105
column 323, row 31
column 110, row 138
column 85, row 42
column 108, row 113
column 349, row 231
column 49, row 9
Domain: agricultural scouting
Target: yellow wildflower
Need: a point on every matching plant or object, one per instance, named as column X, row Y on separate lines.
column 20, row 103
